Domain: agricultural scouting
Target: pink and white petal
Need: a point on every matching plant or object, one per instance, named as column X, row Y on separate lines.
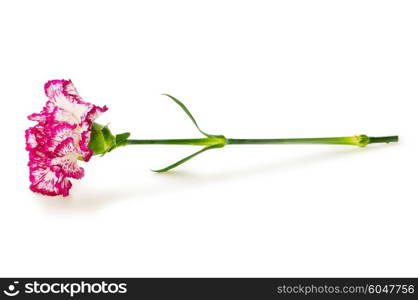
column 70, row 115
column 71, row 108
column 85, row 129
column 55, row 88
column 65, row 187
column 52, row 186
column 37, row 159
column 35, row 137
column 69, row 166
column 70, row 112
column 41, row 117
column 49, row 181
column 66, row 147
column 46, row 178
column 60, row 138
column 57, row 134
column 70, row 89
column 31, row 142
column 66, row 157
column 84, row 150
column 94, row 113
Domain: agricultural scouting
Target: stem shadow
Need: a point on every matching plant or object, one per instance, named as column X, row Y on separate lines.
column 87, row 200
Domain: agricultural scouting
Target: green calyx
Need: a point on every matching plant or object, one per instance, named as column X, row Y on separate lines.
column 103, row 141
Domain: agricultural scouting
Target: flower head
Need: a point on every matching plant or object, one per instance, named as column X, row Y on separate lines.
column 60, row 138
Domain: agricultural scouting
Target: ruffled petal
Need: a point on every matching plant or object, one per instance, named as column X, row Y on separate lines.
column 41, row 117
column 60, row 138
column 45, row 178
column 63, row 96
column 58, row 87
column 35, row 137
column 85, row 129
column 66, row 157
column 70, row 89
column 94, row 113
column 85, row 151
column 56, row 134
column 49, row 182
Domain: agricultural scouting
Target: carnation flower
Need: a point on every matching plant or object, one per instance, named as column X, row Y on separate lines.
column 60, row 139
column 66, row 133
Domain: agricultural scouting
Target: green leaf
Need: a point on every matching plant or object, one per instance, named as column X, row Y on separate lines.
column 121, row 138
column 176, row 164
column 179, row 103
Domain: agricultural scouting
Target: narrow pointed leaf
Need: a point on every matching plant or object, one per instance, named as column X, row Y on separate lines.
column 176, row 164
column 122, row 137
column 179, row 103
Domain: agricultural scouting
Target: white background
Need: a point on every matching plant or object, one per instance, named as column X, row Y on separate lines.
column 246, row 69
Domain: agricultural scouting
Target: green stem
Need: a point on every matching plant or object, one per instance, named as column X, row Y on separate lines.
column 192, row 142
column 383, row 139
column 357, row 140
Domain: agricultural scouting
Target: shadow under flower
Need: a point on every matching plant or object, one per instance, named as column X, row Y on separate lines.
column 86, row 200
